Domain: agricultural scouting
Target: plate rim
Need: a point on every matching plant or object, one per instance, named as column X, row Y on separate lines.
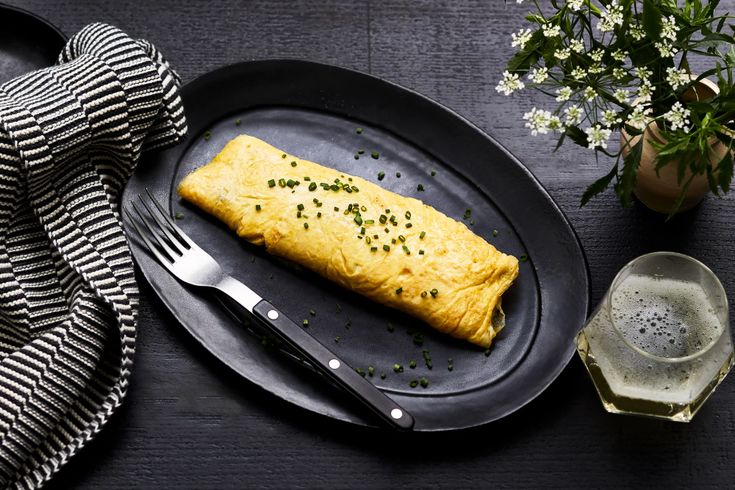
column 193, row 85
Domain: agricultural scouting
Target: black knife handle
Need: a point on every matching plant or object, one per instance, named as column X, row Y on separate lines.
column 332, row 366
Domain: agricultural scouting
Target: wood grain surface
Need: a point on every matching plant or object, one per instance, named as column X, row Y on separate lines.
column 190, row 423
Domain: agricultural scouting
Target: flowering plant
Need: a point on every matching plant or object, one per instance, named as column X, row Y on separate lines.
column 624, row 65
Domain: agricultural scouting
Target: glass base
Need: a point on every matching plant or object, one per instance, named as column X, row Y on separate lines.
column 614, row 403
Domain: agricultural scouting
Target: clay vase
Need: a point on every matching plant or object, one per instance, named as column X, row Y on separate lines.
column 659, row 192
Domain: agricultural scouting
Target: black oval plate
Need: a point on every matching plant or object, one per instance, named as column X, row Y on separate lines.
column 312, row 111
column 27, row 42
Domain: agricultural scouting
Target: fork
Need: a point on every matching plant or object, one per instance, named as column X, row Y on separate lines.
column 188, row 262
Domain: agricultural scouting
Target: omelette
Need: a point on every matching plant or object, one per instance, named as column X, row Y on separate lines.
column 392, row 249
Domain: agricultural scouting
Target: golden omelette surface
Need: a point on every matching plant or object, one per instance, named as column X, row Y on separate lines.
column 468, row 274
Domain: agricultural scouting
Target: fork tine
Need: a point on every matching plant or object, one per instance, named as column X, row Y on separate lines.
column 174, row 240
column 169, row 249
column 184, row 237
column 163, row 258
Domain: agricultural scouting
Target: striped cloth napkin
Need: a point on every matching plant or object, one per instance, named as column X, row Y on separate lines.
column 70, row 136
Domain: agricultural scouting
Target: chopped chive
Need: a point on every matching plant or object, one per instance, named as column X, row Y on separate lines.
column 412, row 364
column 324, row 186
column 418, row 339
column 387, row 211
column 293, row 164
column 359, row 130
column 282, row 182
column 434, row 292
column 422, row 235
column 383, row 218
column 368, row 240
column 376, row 236
column 387, row 230
column 397, row 368
column 305, row 323
column 433, row 173
column 334, row 187
column 336, row 208
column 306, row 225
column 421, row 252
column 307, row 178
column 369, row 221
column 405, row 249
column 357, row 157
column 408, row 214
column 319, row 214
column 414, row 383
column 375, row 155
column 283, row 156
column 360, row 151
column 424, row 293
column 337, row 339
column 386, row 248
column 271, row 183
column 393, row 241
column 523, row 258
column 487, row 352
column 472, row 222
column 450, row 364
column 399, row 290
column 207, row 135
column 291, row 183
column 467, row 213
column 409, row 225
column 398, row 174
column 382, row 375
column 381, row 175
column 424, row 382
column 298, row 214
column 178, row 215
column 373, row 249
column 358, row 219
column 495, row 232
column 362, row 230
column 371, row 371
column 312, row 186
column 402, row 238
column 312, row 312
column 300, row 207
column 237, row 122
column 257, row 207
column 360, row 371
column 363, row 208
column 420, row 188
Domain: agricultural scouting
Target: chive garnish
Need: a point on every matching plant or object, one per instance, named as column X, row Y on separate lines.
column 383, row 218
column 467, row 213
column 386, row 248
column 368, row 240
column 283, row 156
column 362, row 231
column 375, row 155
column 422, row 235
column 271, row 183
column 306, row 225
column 336, row 208
column 305, row 323
column 319, row 214
column 397, row 368
column 334, row 187
column 405, row 249
column 409, row 225
column 282, row 182
column 373, row 249
column 414, row 383
column 393, row 241
column 418, row 339
column 298, row 214
column 412, row 364
column 369, row 221
column 307, row 178
column 360, row 371
column 399, row 290
column 237, row 122
column 495, row 232
column 523, row 258
column 357, row 157
column 363, row 208
column 312, row 186
column 291, row 183
column 381, row 175
column 450, row 364
column 402, row 238
column 420, row 188
column 257, row 207
column 347, row 189
column 387, row 230
column 472, row 222
column 376, row 236
column 207, row 135
column 382, row 375
column 421, row 252
column 358, row 219
column 487, row 352
column 178, row 215
column 300, row 207
column 398, row 174
column 358, row 130
column 293, row 163
column 433, row 173
column 371, row 371
column 337, row 339
column 408, row 214
column 387, row 211
column 424, row 293
column 434, row 292
column 360, row 151
column 424, row 382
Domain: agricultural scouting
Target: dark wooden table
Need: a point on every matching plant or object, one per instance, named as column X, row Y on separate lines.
column 188, row 422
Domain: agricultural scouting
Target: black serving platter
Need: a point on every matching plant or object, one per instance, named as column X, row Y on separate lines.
column 27, row 42
column 312, row 111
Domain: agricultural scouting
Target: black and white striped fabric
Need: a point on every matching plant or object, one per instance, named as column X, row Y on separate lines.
column 70, row 136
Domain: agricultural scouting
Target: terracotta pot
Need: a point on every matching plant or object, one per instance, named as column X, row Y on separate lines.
column 659, row 192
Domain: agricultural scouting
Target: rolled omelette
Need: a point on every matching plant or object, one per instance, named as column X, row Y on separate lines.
column 392, row 249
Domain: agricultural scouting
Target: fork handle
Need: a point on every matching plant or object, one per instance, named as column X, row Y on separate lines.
column 332, row 366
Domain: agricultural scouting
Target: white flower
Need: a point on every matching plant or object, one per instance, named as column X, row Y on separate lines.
column 510, row 83
column 562, row 54
column 666, row 50
column 576, row 45
column 521, row 38
column 539, row 75
column 596, row 68
column 645, row 91
column 619, row 55
column 519, row 2
column 621, row 95
column 575, row 5
column 555, row 124
column 677, row 78
column 642, row 72
column 639, row 118
column 610, row 118
column 611, row 18
column 669, row 29
column 564, row 94
column 578, row 73
column 678, row 117
column 537, row 121
column 637, row 32
column 551, row 30
column 619, row 73
column 573, row 115
column 597, row 136
column 589, row 94
column 596, row 55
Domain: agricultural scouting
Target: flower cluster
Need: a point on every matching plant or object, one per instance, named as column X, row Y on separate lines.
column 623, row 65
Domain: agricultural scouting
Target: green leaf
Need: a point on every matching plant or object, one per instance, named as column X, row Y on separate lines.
column 651, row 19
column 626, row 183
column 577, row 135
column 724, row 171
column 712, row 181
column 598, row 186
